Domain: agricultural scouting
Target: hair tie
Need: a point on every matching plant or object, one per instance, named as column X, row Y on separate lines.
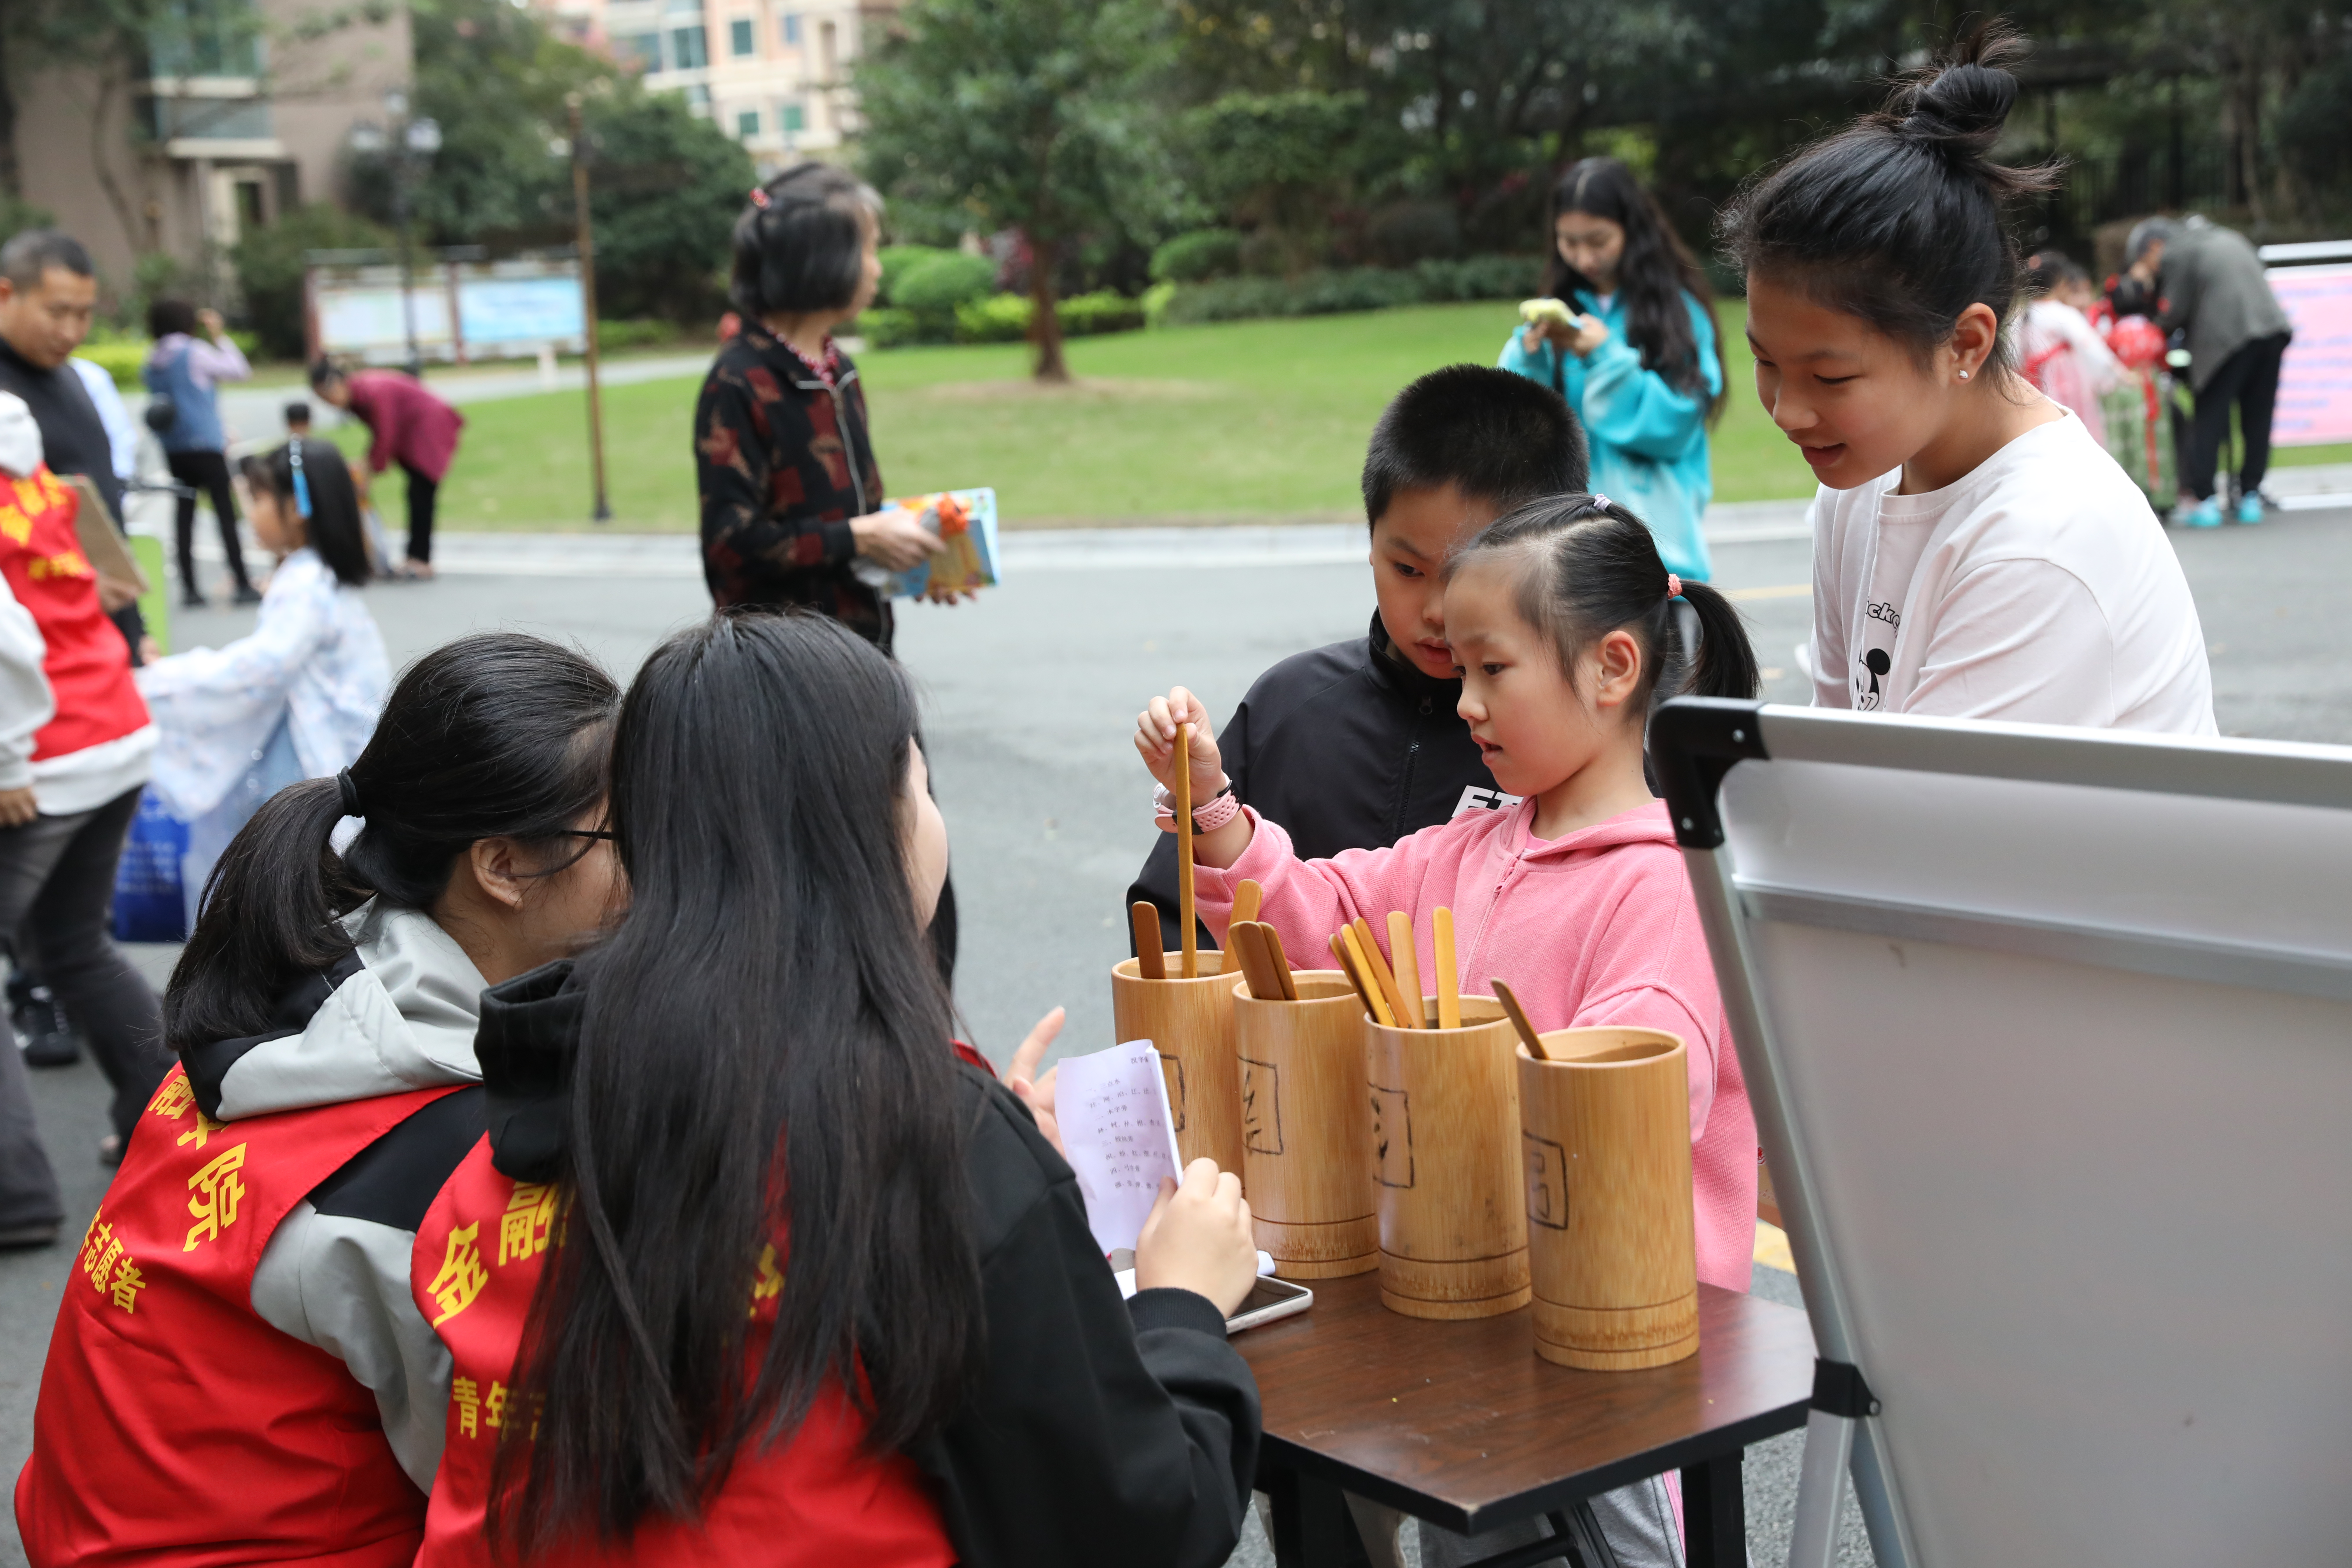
column 760, row 197
column 1600, row 502
column 301, row 481
column 351, row 794
column 1673, row 586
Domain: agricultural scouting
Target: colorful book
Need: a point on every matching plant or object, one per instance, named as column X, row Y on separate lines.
column 966, row 520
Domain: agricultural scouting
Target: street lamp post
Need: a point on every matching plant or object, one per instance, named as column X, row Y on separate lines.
column 587, row 240
column 407, row 140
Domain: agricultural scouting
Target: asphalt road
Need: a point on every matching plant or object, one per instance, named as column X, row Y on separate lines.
column 1029, row 697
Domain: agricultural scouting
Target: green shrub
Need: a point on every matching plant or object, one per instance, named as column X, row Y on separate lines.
column 998, row 319
column 615, row 337
column 884, row 328
column 1086, row 315
column 269, row 262
column 1155, row 303
column 939, row 284
column 1198, row 257
column 119, row 358
column 1355, row 289
column 898, row 260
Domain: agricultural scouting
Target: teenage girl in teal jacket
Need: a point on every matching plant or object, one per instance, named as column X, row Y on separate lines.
column 1639, row 366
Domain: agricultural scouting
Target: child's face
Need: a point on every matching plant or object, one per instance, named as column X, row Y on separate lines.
column 1592, row 245
column 1535, row 729
column 2077, row 292
column 1852, row 399
column 275, row 528
column 927, row 837
column 1410, row 544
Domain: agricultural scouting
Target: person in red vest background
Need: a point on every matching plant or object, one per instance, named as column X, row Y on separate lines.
column 411, row 427
column 74, row 746
column 240, row 1372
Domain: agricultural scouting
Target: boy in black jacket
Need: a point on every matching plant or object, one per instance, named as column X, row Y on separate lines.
column 1356, row 745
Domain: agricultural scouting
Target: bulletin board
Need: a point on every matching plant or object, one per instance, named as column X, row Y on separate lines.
column 2314, row 395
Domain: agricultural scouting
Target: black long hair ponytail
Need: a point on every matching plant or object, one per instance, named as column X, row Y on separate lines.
column 1654, row 274
column 493, row 735
column 763, row 1047
column 1584, row 567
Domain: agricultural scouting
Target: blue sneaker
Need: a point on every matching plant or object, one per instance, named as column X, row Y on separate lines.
column 2206, row 513
column 2250, row 507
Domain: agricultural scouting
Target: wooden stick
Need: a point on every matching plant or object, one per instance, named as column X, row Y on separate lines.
column 1248, row 949
column 1366, row 981
column 1246, row 899
column 1449, row 984
column 1149, row 962
column 1376, row 964
column 1347, row 964
column 1527, row 1035
column 1281, row 960
column 1406, row 962
column 1192, row 948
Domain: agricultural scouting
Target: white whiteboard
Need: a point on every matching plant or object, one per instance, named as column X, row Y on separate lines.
column 2070, row 1070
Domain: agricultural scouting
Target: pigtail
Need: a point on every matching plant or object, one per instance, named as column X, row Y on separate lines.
column 267, row 914
column 1724, row 662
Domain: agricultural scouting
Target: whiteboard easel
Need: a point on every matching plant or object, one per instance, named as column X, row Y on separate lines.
column 2049, row 1036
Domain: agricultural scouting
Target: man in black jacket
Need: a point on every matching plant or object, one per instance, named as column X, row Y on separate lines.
column 1357, row 745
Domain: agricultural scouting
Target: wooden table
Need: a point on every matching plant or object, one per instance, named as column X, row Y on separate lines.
column 1463, row 1425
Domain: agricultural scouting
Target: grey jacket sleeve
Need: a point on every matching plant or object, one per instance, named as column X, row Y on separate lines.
column 341, row 1284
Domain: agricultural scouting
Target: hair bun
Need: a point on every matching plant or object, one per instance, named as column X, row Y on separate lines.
column 1962, row 106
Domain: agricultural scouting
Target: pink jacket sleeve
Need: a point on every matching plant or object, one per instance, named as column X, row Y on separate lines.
column 1307, row 901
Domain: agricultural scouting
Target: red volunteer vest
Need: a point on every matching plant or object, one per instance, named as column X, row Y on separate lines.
column 89, row 668
column 815, row 1501
column 174, row 1424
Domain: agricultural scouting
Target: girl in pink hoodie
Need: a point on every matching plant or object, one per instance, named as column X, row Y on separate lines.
column 1561, row 620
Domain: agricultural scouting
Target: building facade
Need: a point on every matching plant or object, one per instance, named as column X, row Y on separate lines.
column 773, row 74
column 221, row 124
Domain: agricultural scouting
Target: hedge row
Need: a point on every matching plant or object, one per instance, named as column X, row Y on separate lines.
column 1355, row 289
column 998, row 319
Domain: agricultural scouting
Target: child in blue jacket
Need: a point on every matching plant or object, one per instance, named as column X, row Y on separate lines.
column 1638, row 359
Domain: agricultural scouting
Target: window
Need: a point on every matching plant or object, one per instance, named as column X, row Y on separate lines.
column 746, row 123
column 790, row 119
column 689, row 49
column 698, row 98
column 641, row 49
column 792, row 31
column 740, row 42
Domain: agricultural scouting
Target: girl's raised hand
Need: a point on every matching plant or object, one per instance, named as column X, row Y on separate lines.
column 1155, row 741
column 1037, row 1093
column 1199, row 1238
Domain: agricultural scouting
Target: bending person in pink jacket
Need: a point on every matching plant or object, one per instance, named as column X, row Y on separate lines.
column 1561, row 619
column 411, row 427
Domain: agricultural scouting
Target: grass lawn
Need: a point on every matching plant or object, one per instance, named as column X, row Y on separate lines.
column 1245, row 420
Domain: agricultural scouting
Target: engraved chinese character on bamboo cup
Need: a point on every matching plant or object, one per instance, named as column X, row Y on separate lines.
column 1445, row 1133
column 1305, row 1140
column 1190, row 1023
column 1606, row 1143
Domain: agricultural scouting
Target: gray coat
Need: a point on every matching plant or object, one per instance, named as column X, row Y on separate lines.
column 2211, row 283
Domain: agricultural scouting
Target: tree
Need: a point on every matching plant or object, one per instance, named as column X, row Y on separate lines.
column 1279, row 159
column 666, row 185
column 1044, row 116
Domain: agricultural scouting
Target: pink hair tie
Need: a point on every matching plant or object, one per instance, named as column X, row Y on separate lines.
column 1673, row 586
column 1600, row 502
column 760, row 197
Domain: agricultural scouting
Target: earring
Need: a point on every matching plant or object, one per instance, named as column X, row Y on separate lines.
column 1964, row 375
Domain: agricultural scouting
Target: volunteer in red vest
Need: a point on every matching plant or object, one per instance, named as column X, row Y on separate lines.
column 735, row 1131
column 239, row 1372
column 74, row 748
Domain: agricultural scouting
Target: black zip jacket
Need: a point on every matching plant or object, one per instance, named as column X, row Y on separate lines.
column 1099, row 1431
column 1348, row 747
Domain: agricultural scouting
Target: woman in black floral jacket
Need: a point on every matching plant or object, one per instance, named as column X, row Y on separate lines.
column 791, row 497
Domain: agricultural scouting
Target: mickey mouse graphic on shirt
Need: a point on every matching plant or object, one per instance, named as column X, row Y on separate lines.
column 1877, row 662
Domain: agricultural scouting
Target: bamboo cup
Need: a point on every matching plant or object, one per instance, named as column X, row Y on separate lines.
column 1446, row 1155
column 1606, row 1129
column 1190, row 1023
column 1305, row 1143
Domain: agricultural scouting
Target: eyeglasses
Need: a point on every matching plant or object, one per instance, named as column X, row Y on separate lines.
column 606, row 834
